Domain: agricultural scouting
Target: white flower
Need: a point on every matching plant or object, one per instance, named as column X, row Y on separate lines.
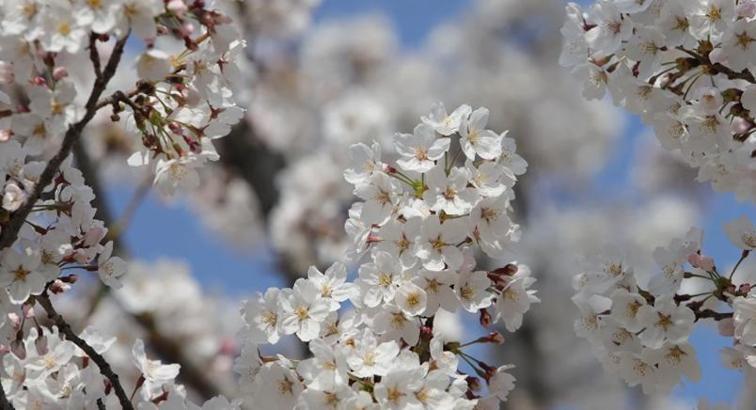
column 140, row 15
column 14, row 197
column 51, row 361
column 438, row 290
column 397, row 388
column 303, row 310
column 276, row 387
column 472, row 290
column 371, row 358
column 635, row 370
column 745, row 319
column 381, row 195
column 501, row 383
column 332, row 284
column 665, row 322
column 449, row 193
column 111, row 268
column 411, row 299
column 742, row 233
column 19, row 274
column 261, row 313
column 62, row 30
column 327, row 369
column 515, row 298
column 421, row 149
column 379, row 280
column 400, row 239
column 438, row 243
column 154, row 65
column 625, row 308
column 99, row 14
column 443, row 123
column 154, row 372
column 672, row 362
column 476, row 139
column 394, row 324
column 364, row 162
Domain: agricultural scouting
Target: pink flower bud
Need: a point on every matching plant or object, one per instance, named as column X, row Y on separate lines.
column 187, row 29
column 39, row 80
column 15, row 320
column 58, row 287
column 60, row 73
column 177, row 7
column 228, row 347
column 5, row 135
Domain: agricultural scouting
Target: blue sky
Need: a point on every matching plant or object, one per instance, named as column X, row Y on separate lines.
column 173, row 231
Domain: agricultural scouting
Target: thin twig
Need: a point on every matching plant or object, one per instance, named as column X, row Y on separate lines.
column 743, row 255
column 100, row 361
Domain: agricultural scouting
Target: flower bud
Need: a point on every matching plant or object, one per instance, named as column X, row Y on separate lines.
column 59, row 73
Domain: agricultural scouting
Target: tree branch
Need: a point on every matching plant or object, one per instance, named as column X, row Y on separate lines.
column 105, row 368
column 10, row 231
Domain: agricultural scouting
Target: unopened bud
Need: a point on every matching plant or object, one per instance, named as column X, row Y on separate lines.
column 57, row 287
column 473, row 383
column 495, row 337
column 60, row 73
column 485, row 318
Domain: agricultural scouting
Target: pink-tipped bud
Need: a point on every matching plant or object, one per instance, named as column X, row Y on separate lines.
column 485, row 318
column 59, row 73
column 473, row 383
column 58, row 287
column 39, row 80
column 228, row 347
column 495, row 337
column 28, row 311
column 177, row 7
column 5, row 135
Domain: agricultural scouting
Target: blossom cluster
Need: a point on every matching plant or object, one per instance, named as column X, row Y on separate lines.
column 639, row 325
column 686, row 67
column 418, row 224
column 48, row 229
column 45, row 370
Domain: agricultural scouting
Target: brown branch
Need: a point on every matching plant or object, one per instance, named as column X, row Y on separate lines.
column 10, row 231
column 4, row 403
column 734, row 75
column 94, row 55
column 100, row 361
